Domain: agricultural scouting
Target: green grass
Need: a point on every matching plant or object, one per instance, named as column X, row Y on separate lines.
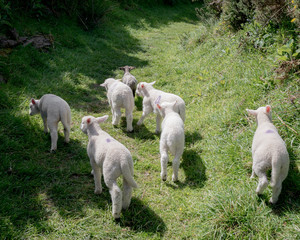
column 51, row 196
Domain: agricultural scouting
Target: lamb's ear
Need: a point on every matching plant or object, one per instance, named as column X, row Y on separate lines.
column 33, row 101
column 268, row 108
column 102, row 119
column 152, row 83
column 121, row 68
column 131, row 67
column 252, row 112
column 103, row 85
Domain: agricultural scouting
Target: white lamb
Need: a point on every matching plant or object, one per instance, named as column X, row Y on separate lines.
column 119, row 96
column 268, row 152
column 53, row 109
column 128, row 78
column 152, row 96
column 110, row 157
column 171, row 139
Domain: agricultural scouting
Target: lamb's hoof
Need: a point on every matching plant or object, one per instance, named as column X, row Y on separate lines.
column 118, row 219
column 98, row 191
column 157, row 132
column 272, row 201
column 139, row 123
column 164, row 178
column 116, row 216
column 130, row 131
column 174, row 179
column 52, row 151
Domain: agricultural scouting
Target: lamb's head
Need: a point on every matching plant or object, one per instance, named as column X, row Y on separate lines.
column 126, row 68
column 261, row 111
column 142, row 86
column 165, row 108
column 34, row 107
column 107, row 82
column 87, row 121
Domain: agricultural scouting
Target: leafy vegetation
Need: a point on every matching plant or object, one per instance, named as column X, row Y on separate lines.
column 218, row 73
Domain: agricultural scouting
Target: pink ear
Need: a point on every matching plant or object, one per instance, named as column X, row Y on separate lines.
column 88, row 120
column 158, row 106
column 32, row 100
column 142, row 86
column 268, row 108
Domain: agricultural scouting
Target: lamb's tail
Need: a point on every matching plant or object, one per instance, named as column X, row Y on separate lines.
column 128, row 175
column 182, row 111
column 279, row 170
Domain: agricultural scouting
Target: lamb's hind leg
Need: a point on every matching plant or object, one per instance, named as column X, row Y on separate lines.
column 117, row 115
column 262, row 182
column 116, row 197
column 129, row 119
column 175, row 164
column 127, row 193
column 164, row 158
column 66, row 125
column 54, row 136
column 276, row 192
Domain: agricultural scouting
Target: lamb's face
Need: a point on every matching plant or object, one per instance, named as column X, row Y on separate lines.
column 33, row 107
column 84, row 124
column 165, row 107
column 139, row 90
column 261, row 110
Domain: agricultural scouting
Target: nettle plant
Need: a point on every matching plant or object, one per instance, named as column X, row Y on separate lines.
column 288, row 52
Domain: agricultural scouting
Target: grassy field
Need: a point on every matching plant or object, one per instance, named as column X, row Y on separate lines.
column 51, row 196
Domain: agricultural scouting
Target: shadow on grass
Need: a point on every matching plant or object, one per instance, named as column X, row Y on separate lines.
column 192, row 137
column 35, row 183
column 289, row 200
column 140, row 132
column 194, row 170
column 141, row 218
column 139, row 103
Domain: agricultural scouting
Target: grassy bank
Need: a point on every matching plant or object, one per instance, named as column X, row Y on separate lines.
column 51, row 195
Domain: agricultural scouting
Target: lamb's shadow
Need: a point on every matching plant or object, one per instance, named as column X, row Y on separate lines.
column 192, row 137
column 140, row 132
column 141, row 218
column 35, row 184
column 139, row 103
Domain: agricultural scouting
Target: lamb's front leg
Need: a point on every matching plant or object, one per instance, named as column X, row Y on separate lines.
column 146, row 111
column 158, row 123
column 97, row 176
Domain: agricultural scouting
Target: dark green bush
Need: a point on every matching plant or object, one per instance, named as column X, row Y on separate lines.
column 5, row 15
column 237, row 12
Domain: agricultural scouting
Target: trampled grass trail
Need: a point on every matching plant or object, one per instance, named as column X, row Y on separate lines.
column 51, row 196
